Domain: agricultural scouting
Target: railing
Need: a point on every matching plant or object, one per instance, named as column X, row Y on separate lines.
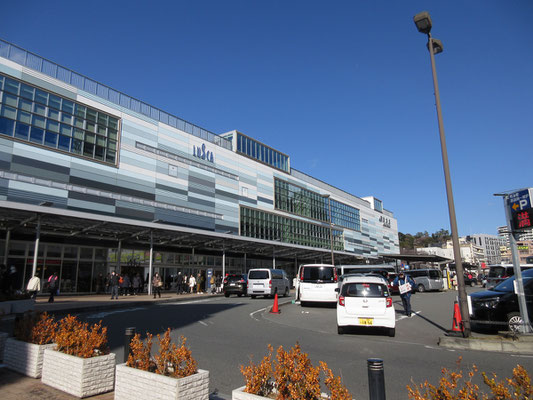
column 42, row 65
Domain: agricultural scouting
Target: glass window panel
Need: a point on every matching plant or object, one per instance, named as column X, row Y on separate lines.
column 50, row 139
column 52, row 126
column 113, row 123
column 102, row 119
column 1, row 82
column 99, row 152
column 68, row 106
column 111, row 134
column 24, row 117
column 88, row 149
column 101, row 130
column 91, row 115
column 25, row 105
column 39, row 109
column 79, row 134
column 38, row 121
column 41, row 96
column 26, row 91
column 84, row 276
column 36, row 135
column 10, row 100
column 9, row 112
column 90, row 126
column 64, row 143
column 6, row 126
column 90, row 138
column 78, row 123
column 68, row 276
column 66, row 118
column 112, row 145
column 54, row 101
column 110, row 156
column 77, row 146
column 53, row 114
column 80, row 111
column 100, row 141
column 66, row 130
column 70, row 252
column 11, row 86
column 22, row 131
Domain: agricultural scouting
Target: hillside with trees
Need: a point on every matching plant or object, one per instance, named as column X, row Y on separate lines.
column 409, row 242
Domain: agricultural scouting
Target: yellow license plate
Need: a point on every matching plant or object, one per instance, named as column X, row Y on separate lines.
column 366, row 321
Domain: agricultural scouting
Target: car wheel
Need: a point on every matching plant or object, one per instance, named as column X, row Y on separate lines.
column 472, row 283
column 340, row 330
column 514, row 321
column 392, row 332
column 421, row 288
column 253, row 296
column 240, row 294
column 226, row 294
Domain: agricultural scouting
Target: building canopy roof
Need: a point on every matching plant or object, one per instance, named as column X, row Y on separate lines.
column 418, row 257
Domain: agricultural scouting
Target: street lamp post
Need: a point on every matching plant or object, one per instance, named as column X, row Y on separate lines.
column 423, row 24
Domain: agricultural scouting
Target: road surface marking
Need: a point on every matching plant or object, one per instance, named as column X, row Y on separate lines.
column 255, row 312
column 203, row 323
column 405, row 316
column 106, row 313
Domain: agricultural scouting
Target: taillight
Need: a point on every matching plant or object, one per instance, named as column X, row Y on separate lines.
column 302, row 275
column 341, row 301
column 225, row 281
column 389, row 302
column 270, row 283
column 335, row 275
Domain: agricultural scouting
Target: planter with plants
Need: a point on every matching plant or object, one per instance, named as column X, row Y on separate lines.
column 80, row 364
column 171, row 374
column 291, row 375
column 33, row 334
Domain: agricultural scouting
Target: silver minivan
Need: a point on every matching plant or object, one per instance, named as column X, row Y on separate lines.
column 427, row 279
column 267, row 282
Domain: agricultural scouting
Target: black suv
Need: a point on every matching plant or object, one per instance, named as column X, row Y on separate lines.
column 235, row 284
column 498, row 308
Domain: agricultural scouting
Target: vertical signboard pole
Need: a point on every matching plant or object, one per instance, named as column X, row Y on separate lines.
column 526, row 327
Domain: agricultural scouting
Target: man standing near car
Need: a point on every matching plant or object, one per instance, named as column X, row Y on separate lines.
column 406, row 284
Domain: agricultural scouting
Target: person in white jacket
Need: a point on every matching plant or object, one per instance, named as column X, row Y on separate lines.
column 34, row 285
column 192, row 283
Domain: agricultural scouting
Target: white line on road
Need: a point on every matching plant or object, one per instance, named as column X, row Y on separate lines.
column 106, row 313
column 203, row 323
column 255, row 312
column 405, row 316
column 521, row 355
column 176, row 303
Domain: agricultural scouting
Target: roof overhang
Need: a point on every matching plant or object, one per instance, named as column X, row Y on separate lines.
column 418, row 257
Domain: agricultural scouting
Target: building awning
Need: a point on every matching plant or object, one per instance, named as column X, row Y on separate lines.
column 418, row 257
column 71, row 226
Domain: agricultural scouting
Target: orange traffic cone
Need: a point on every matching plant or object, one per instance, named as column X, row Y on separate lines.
column 457, row 323
column 275, row 309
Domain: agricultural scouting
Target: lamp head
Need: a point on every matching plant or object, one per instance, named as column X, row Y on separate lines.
column 423, row 22
column 437, row 46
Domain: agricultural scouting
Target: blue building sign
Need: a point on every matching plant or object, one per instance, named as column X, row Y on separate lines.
column 203, row 153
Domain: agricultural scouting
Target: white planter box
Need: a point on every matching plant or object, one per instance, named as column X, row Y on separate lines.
column 80, row 377
column 240, row 394
column 132, row 383
column 26, row 358
column 3, row 338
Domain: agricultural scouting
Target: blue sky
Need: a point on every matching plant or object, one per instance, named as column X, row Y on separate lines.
column 343, row 87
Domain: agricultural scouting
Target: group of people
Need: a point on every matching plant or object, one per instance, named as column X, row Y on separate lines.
column 191, row 284
column 123, row 285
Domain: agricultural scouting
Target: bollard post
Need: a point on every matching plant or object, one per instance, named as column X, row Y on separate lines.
column 128, row 336
column 376, row 379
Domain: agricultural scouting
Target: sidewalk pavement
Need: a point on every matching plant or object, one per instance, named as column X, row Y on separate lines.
column 14, row 386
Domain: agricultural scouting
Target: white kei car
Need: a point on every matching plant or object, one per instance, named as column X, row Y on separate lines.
column 365, row 301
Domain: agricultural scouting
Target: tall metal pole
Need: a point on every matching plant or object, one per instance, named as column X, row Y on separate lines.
column 36, row 248
column 522, row 306
column 151, row 263
column 463, row 303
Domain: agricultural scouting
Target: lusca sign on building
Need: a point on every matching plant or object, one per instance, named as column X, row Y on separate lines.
column 519, row 204
column 203, row 153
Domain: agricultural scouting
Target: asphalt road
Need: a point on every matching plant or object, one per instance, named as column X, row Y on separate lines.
column 225, row 333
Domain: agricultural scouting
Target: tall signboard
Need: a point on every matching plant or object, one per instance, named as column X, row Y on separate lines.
column 519, row 217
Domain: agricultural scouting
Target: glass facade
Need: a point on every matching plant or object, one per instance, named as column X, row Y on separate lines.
column 262, row 225
column 262, row 153
column 378, row 205
column 36, row 116
column 306, row 203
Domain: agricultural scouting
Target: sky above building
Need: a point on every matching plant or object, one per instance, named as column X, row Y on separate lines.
column 343, row 87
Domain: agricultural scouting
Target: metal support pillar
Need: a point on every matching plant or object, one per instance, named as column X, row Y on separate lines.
column 36, row 248
column 6, row 248
column 151, row 265
column 223, row 264
column 119, row 256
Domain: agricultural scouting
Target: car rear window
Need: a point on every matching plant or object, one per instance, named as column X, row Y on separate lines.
column 496, row 272
column 234, row 278
column 364, row 290
column 258, row 275
column 318, row 274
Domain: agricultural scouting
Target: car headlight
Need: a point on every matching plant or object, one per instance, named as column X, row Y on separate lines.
column 489, row 303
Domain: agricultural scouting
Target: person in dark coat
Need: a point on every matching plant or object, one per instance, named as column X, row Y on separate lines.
column 113, row 283
column 400, row 280
column 53, row 283
column 179, row 283
column 137, row 284
column 126, row 285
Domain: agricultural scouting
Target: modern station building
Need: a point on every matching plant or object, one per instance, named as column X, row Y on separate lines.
column 93, row 180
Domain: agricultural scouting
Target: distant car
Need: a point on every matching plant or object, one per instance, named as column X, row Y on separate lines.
column 365, row 301
column 235, row 284
column 394, row 289
column 472, row 281
column 498, row 308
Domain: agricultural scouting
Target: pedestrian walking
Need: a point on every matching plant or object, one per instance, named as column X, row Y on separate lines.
column 126, row 285
column 212, row 282
column 157, row 284
column 199, row 283
column 113, row 283
column 34, row 285
column 192, row 283
column 406, row 284
column 179, row 283
column 137, row 284
column 219, row 283
column 52, row 286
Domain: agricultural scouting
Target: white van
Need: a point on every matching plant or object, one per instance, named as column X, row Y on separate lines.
column 316, row 283
column 267, row 282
